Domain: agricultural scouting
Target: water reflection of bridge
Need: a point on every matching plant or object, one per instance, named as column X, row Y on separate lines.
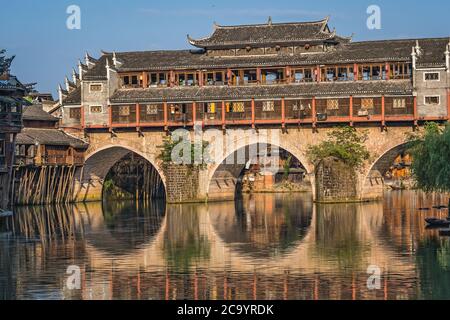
column 328, row 248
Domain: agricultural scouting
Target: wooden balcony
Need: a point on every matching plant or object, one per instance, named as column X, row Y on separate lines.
column 312, row 111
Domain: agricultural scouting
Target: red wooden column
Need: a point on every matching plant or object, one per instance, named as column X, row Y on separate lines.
column 200, row 79
column 253, row 112
column 258, row 75
column 283, row 112
column 318, row 73
column 138, row 115
column 288, row 74
column 223, row 115
column 314, row 113
column 229, row 77
column 194, row 112
column 171, row 78
column 356, row 71
column 351, row 110
column 383, row 110
column 388, row 71
column 166, row 125
column 144, row 80
column 416, row 113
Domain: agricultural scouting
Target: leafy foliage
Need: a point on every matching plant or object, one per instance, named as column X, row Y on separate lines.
column 287, row 167
column 345, row 144
column 196, row 150
column 431, row 158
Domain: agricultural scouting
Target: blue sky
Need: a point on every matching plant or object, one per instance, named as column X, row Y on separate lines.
column 35, row 31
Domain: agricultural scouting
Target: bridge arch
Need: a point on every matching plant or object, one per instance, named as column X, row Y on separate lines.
column 374, row 177
column 90, row 178
column 223, row 177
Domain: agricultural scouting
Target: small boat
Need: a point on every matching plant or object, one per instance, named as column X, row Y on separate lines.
column 424, row 209
column 435, row 222
column 444, row 232
column 440, row 207
column 4, row 214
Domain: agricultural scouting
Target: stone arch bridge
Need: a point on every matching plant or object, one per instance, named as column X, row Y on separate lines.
column 218, row 180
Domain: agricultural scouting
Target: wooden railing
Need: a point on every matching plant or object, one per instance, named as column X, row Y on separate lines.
column 281, row 111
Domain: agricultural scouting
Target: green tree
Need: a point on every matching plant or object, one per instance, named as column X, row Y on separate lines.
column 430, row 152
column 197, row 156
column 343, row 143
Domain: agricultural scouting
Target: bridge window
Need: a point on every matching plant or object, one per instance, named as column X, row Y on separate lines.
column 95, row 109
column 272, row 76
column 431, row 76
column 151, row 109
column 187, row 79
column 75, row 113
column 367, row 103
column 96, row 88
column 400, row 71
column 132, row 80
column 124, row 111
column 237, row 107
column 158, row 79
column 215, row 78
column 303, row 75
column 432, row 100
column 211, row 107
column 268, row 106
column 399, row 103
column 333, row 104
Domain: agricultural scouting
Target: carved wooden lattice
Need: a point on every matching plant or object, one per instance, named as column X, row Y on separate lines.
column 332, row 104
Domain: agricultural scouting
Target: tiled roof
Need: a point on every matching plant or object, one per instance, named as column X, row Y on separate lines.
column 74, row 97
column 53, row 137
column 270, row 33
column 397, row 87
column 36, row 113
column 356, row 52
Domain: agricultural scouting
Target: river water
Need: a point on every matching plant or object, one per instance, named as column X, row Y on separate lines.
column 268, row 246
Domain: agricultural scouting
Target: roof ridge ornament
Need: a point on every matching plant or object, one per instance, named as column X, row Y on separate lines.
column 414, row 58
column 325, row 23
column 89, row 60
column 447, row 57
column 418, row 49
column 116, row 61
column 75, row 76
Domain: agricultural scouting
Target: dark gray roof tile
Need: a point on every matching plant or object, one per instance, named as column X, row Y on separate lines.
column 49, row 137
column 397, row 87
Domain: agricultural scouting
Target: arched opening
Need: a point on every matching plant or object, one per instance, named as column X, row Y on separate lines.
column 258, row 168
column 392, row 169
column 119, row 174
column 132, row 177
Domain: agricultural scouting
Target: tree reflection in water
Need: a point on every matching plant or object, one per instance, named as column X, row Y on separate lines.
column 272, row 246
